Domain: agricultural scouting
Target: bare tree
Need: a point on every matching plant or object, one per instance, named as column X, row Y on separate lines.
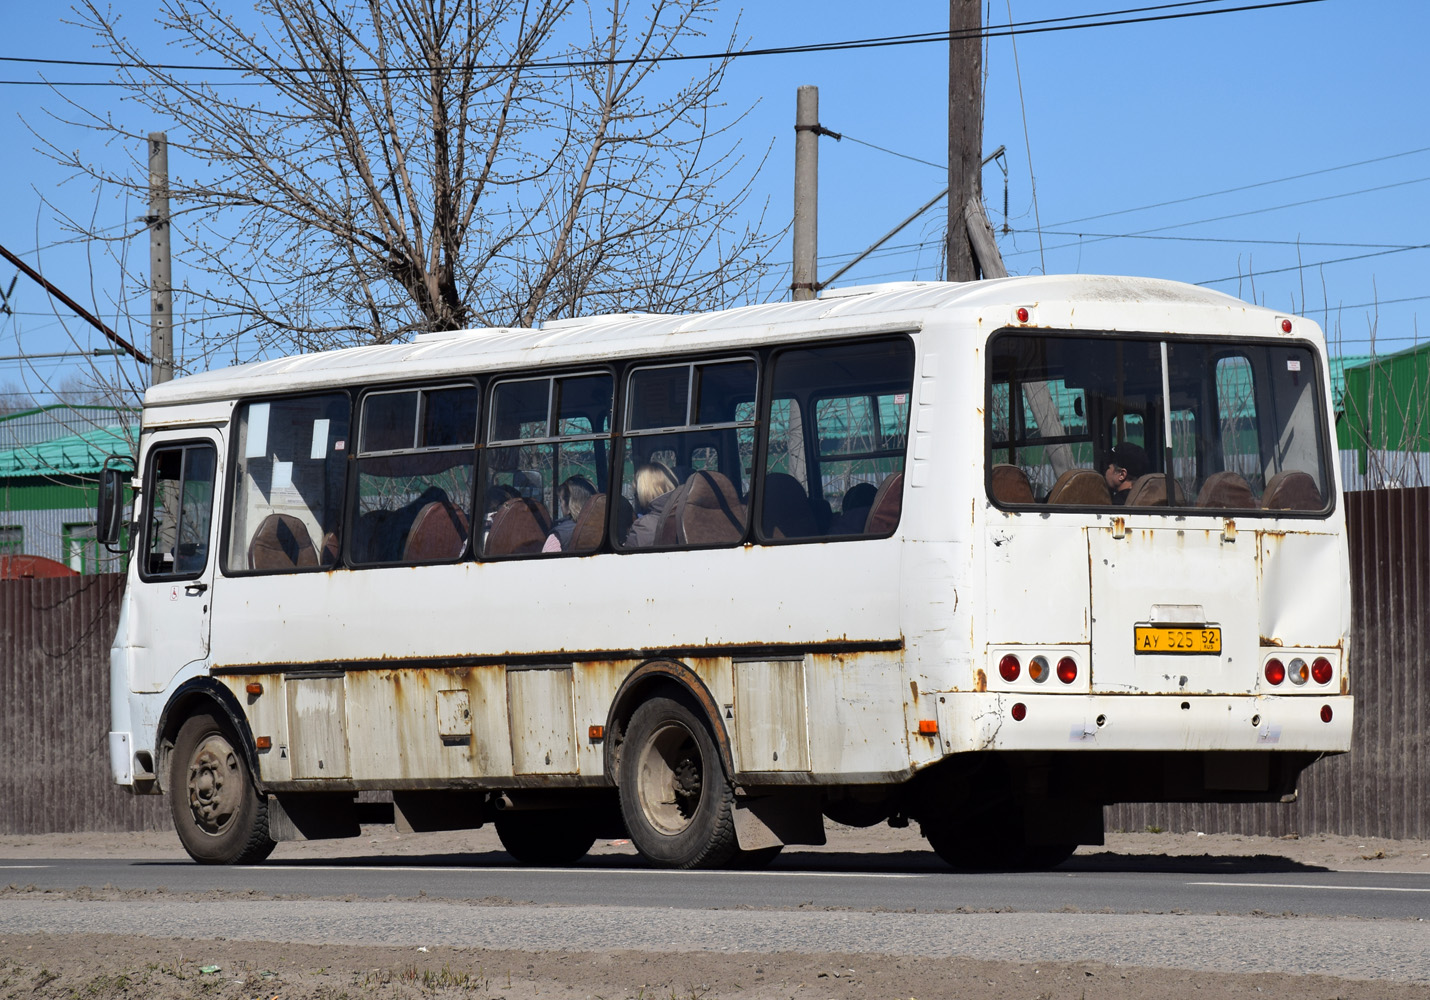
column 379, row 168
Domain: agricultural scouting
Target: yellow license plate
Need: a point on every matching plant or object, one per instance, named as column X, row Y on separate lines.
column 1177, row 638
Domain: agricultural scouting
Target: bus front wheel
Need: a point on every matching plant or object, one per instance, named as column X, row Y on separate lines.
column 677, row 803
column 218, row 813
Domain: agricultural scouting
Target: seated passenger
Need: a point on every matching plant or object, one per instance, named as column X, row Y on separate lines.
column 655, row 489
column 571, row 498
column 1126, row 464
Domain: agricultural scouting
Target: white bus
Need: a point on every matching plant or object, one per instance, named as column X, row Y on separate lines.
column 985, row 557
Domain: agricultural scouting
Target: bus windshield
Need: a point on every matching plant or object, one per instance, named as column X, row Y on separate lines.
column 1090, row 420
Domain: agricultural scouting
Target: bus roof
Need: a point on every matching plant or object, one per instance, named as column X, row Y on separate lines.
column 841, row 312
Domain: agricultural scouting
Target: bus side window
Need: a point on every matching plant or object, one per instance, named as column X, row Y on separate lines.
column 288, row 484
column 415, row 461
column 545, row 465
column 686, row 453
column 837, row 436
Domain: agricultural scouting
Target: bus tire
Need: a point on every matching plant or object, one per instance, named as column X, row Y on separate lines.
column 544, row 836
column 219, row 815
column 677, row 802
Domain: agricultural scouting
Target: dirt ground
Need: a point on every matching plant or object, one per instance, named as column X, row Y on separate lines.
column 100, row 967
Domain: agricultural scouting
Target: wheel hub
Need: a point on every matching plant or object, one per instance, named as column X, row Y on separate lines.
column 671, row 779
column 215, row 785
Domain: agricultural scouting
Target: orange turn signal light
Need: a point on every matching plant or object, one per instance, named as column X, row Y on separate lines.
column 264, row 742
column 596, row 733
column 928, row 727
column 254, row 688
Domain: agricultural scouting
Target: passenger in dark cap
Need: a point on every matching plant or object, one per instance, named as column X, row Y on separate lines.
column 1125, row 465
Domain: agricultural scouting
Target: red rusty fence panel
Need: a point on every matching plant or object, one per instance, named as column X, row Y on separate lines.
column 54, row 703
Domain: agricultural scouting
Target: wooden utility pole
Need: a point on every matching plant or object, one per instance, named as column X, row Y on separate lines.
column 972, row 252
column 804, row 279
column 161, row 300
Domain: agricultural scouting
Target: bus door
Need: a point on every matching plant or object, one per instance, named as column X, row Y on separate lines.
column 176, row 558
column 1174, row 607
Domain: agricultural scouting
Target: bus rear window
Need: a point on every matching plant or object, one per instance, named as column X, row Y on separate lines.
column 1095, row 420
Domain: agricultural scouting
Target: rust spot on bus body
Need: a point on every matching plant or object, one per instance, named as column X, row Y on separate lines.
column 980, row 680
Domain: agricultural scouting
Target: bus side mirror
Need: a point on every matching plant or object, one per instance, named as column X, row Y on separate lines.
column 109, row 519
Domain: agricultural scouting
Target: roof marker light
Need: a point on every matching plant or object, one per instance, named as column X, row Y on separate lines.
column 1022, row 314
column 1285, row 326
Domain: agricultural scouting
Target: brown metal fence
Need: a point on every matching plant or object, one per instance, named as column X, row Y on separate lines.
column 54, row 703
column 1379, row 788
column 54, row 710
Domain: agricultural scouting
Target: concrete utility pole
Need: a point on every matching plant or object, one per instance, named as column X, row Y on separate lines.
column 972, row 252
column 804, row 282
column 161, row 294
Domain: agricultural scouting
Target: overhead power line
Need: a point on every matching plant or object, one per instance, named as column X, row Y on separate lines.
column 1104, row 19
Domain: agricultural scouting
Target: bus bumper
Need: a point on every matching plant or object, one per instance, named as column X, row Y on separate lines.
column 1004, row 721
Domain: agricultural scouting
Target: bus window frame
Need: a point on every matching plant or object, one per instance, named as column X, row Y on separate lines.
column 609, row 437
column 146, row 521
column 623, row 439
column 356, row 455
column 226, row 529
column 809, row 426
column 1232, row 345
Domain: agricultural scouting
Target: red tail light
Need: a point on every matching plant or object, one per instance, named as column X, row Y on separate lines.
column 1325, row 713
column 1009, row 667
column 1067, row 670
column 1321, row 670
column 1020, row 711
column 1275, row 671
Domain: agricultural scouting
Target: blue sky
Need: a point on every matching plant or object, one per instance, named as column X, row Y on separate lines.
column 1116, row 119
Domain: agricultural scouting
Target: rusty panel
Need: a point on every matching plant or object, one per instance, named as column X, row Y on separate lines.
column 54, row 710
column 770, row 716
column 542, row 727
column 317, row 727
column 1379, row 788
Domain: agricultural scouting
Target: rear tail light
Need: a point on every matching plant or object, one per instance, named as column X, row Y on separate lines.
column 1326, row 713
column 1321, row 670
column 1067, row 670
column 1298, row 671
column 1038, row 668
column 1020, row 711
column 1009, row 668
column 1275, row 671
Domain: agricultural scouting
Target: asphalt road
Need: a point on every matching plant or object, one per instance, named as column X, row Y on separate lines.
column 1243, row 886
column 1225, row 914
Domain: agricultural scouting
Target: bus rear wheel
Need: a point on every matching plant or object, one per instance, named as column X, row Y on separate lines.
column 545, row 836
column 218, row 813
column 677, row 803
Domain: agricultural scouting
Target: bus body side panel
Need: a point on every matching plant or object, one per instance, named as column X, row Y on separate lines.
column 478, row 681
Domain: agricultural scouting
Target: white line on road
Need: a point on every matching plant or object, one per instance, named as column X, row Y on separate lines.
column 8, row 867
column 1294, row 885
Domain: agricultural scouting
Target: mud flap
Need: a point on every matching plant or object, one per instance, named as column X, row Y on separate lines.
column 771, row 820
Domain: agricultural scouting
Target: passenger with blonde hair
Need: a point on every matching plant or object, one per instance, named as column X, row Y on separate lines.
column 655, row 489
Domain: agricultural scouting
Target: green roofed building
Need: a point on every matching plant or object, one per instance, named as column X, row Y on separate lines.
column 50, row 459
column 1383, row 419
